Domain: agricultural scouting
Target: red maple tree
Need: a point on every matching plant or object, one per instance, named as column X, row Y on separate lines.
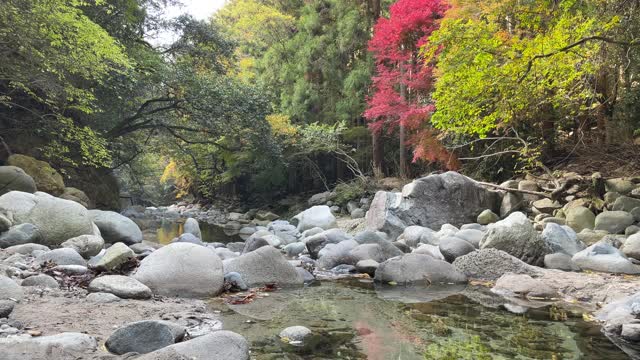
column 403, row 81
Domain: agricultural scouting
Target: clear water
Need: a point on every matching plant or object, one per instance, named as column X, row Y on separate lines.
column 357, row 320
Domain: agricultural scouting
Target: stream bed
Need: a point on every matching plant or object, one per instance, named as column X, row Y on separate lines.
column 356, row 319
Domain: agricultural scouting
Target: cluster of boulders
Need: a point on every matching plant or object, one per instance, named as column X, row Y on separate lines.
column 356, row 209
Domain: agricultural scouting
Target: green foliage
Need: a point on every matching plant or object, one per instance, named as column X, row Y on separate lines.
column 348, row 191
column 470, row 349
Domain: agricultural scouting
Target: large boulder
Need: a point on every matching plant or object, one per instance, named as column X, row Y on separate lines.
column 516, row 236
column 580, row 218
column 141, row 337
column 388, row 249
column 116, row 228
column 631, row 246
column 317, row 242
column 86, row 245
column 316, row 216
column 9, row 289
column 491, row 264
column 414, row 235
column 561, row 238
column 603, row 257
column 217, row 345
column 431, row 202
column 615, row 222
column 265, row 265
column 182, row 269
column 418, row 269
column 47, row 179
column 62, row 256
column 452, row 247
column 337, row 254
column 57, row 219
column 191, row 226
column 13, row 178
column 116, row 255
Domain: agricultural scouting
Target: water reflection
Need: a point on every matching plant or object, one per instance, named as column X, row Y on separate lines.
column 358, row 321
column 168, row 230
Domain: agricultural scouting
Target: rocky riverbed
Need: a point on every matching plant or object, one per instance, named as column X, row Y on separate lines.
column 79, row 283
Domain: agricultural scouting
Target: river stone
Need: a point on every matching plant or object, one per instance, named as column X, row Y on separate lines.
column 610, row 198
column 317, row 242
column 71, row 269
column 62, row 256
column 182, row 269
column 523, row 285
column 116, row 255
column 86, row 245
column 5, row 223
column 217, row 345
column 580, row 218
column 619, row 185
column 26, row 249
column 560, row 261
column 319, row 199
column 430, row 202
column 431, row 250
column 561, row 238
column 77, row 195
column 491, row 264
column 13, row 178
column 66, row 345
column 487, row 217
column 102, row 298
column 472, row 236
column 452, row 247
column 511, row 202
column 389, row 250
column 295, row 249
column 295, row 334
column 625, row 203
column 613, row 221
column 590, row 237
column 631, row 246
column 41, row 280
column 418, row 269
column 192, row 227
column 368, row 252
column 265, row 265
column 141, row 337
column 254, row 243
column 414, row 235
column 57, row 219
column 20, row 234
column 516, row 236
column 47, row 179
column 116, row 228
column 630, row 230
column 188, row 238
column 333, row 255
column 9, row 289
column 316, row 216
column 358, row 214
column 234, row 281
column 122, row 286
column 6, row 307
column 603, row 257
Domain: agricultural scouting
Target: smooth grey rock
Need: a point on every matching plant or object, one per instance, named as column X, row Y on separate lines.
column 580, row 218
column 116, row 228
column 62, row 256
column 71, row 269
column 630, row 230
column 452, row 247
column 319, row 199
column 431, row 250
column 472, row 236
column 317, row 242
column 546, row 205
column 254, row 243
column 295, row 334
column 619, row 185
column 487, row 217
column 41, row 280
column 389, row 250
column 86, row 245
column 192, row 227
column 333, row 255
column 430, row 202
column 414, row 235
column 19, row 235
column 316, row 216
column 217, row 345
column 625, row 203
column 368, row 252
column 605, row 258
column 102, row 298
column 357, row 214
column 560, row 261
column 511, row 202
column 613, row 221
column 26, row 249
column 122, row 286
column 367, row 267
column 418, row 269
column 516, row 236
column 66, row 345
column 295, row 249
column 13, row 178
column 182, row 269
column 560, row 238
column 224, row 253
column 57, row 219
column 9, row 289
column 188, row 238
column 141, row 337
column 234, row 281
column 6, row 308
column 265, row 265
column 116, row 255
column 491, row 264
column 631, row 246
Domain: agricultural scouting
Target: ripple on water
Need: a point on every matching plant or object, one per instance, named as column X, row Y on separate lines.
column 357, row 320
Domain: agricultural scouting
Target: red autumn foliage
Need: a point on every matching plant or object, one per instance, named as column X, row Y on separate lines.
column 395, row 45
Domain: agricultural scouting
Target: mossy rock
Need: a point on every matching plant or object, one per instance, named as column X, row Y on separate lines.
column 47, row 178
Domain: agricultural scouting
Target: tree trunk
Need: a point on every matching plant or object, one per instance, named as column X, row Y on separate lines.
column 376, row 136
